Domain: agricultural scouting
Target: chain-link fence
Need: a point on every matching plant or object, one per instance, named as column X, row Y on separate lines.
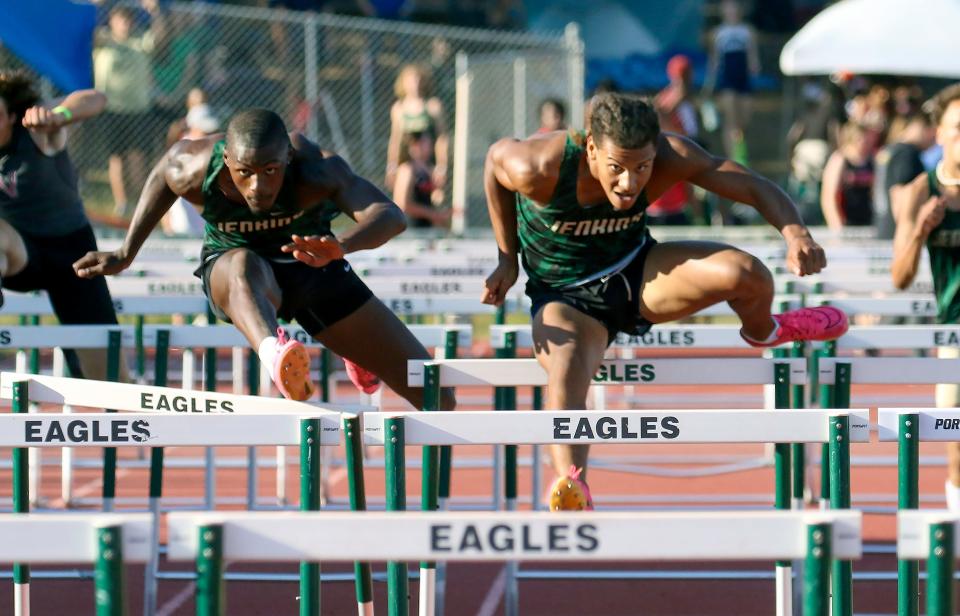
column 328, row 76
column 499, row 95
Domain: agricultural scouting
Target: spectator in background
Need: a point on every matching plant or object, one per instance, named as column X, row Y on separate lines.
column 553, row 115
column 847, row 194
column 898, row 164
column 674, row 103
column 179, row 130
column 122, row 71
column 183, row 219
column 414, row 190
column 416, row 110
column 811, row 139
column 678, row 115
column 734, row 61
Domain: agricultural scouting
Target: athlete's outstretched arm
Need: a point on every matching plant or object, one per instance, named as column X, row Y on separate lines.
column 512, row 166
column 918, row 214
column 378, row 218
column 155, row 199
column 684, row 160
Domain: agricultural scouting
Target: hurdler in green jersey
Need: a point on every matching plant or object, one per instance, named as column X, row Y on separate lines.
column 943, row 245
column 268, row 197
column 570, row 206
column 927, row 213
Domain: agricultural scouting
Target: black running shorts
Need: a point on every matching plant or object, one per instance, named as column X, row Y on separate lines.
column 613, row 300
column 316, row 297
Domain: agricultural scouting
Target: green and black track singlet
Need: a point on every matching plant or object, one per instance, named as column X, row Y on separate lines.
column 563, row 242
column 233, row 225
column 943, row 244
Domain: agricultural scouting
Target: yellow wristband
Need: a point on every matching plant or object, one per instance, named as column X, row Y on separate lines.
column 67, row 114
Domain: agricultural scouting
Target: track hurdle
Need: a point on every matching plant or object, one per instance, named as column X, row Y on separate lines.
column 932, row 535
column 212, row 538
column 909, row 427
column 394, row 431
column 35, row 337
column 106, row 540
column 841, row 373
column 514, row 372
column 162, row 417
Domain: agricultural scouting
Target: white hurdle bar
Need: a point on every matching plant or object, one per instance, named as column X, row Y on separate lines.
column 517, row 372
column 892, row 370
column 819, row 537
column 613, row 427
column 108, row 540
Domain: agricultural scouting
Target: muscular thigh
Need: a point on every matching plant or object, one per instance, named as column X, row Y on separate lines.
column 373, row 337
column 236, row 267
column 680, row 278
column 570, row 346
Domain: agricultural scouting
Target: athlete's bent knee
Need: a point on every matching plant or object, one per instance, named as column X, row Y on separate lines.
column 745, row 274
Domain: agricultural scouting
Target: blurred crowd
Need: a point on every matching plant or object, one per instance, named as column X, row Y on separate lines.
column 167, row 77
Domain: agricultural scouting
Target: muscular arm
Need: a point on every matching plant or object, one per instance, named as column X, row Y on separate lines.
column 910, row 235
column 681, row 160
column 179, row 172
column 378, row 218
column 511, row 167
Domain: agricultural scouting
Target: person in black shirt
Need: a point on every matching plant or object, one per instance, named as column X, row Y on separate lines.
column 43, row 226
column 898, row 164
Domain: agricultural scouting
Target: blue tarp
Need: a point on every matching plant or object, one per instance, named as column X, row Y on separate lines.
column 54, row 37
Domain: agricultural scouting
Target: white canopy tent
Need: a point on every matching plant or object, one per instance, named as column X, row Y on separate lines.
column 888, row 37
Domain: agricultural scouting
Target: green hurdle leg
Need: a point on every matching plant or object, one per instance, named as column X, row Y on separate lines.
column 798, row 450
column 310, row 501
column 430, row 485
column 253, row 388
column 108, row 572
column 211, row 592
column 358, row 502
column 781, row 457
column 908, row 497
column 827, row 401
column 140, row 347
column 110, row 453
column 450, row 349
column 940, row 586
column 398, row 586
column 21, row 500
column 156, row 484
column 35, row 454
column 840, row 499
column 536, row 470
column 509, row 403
column 816, row 571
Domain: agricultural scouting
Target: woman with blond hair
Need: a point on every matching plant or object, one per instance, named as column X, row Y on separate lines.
column 846, row 196
column 416, row 110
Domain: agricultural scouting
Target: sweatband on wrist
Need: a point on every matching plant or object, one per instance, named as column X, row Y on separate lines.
column 67, row 114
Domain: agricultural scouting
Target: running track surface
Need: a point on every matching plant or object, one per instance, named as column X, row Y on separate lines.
column 477, row 589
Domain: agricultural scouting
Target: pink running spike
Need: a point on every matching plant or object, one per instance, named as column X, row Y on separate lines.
column 818, row 323
column 291, row 368
column 569, row 493
column 363, row 379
